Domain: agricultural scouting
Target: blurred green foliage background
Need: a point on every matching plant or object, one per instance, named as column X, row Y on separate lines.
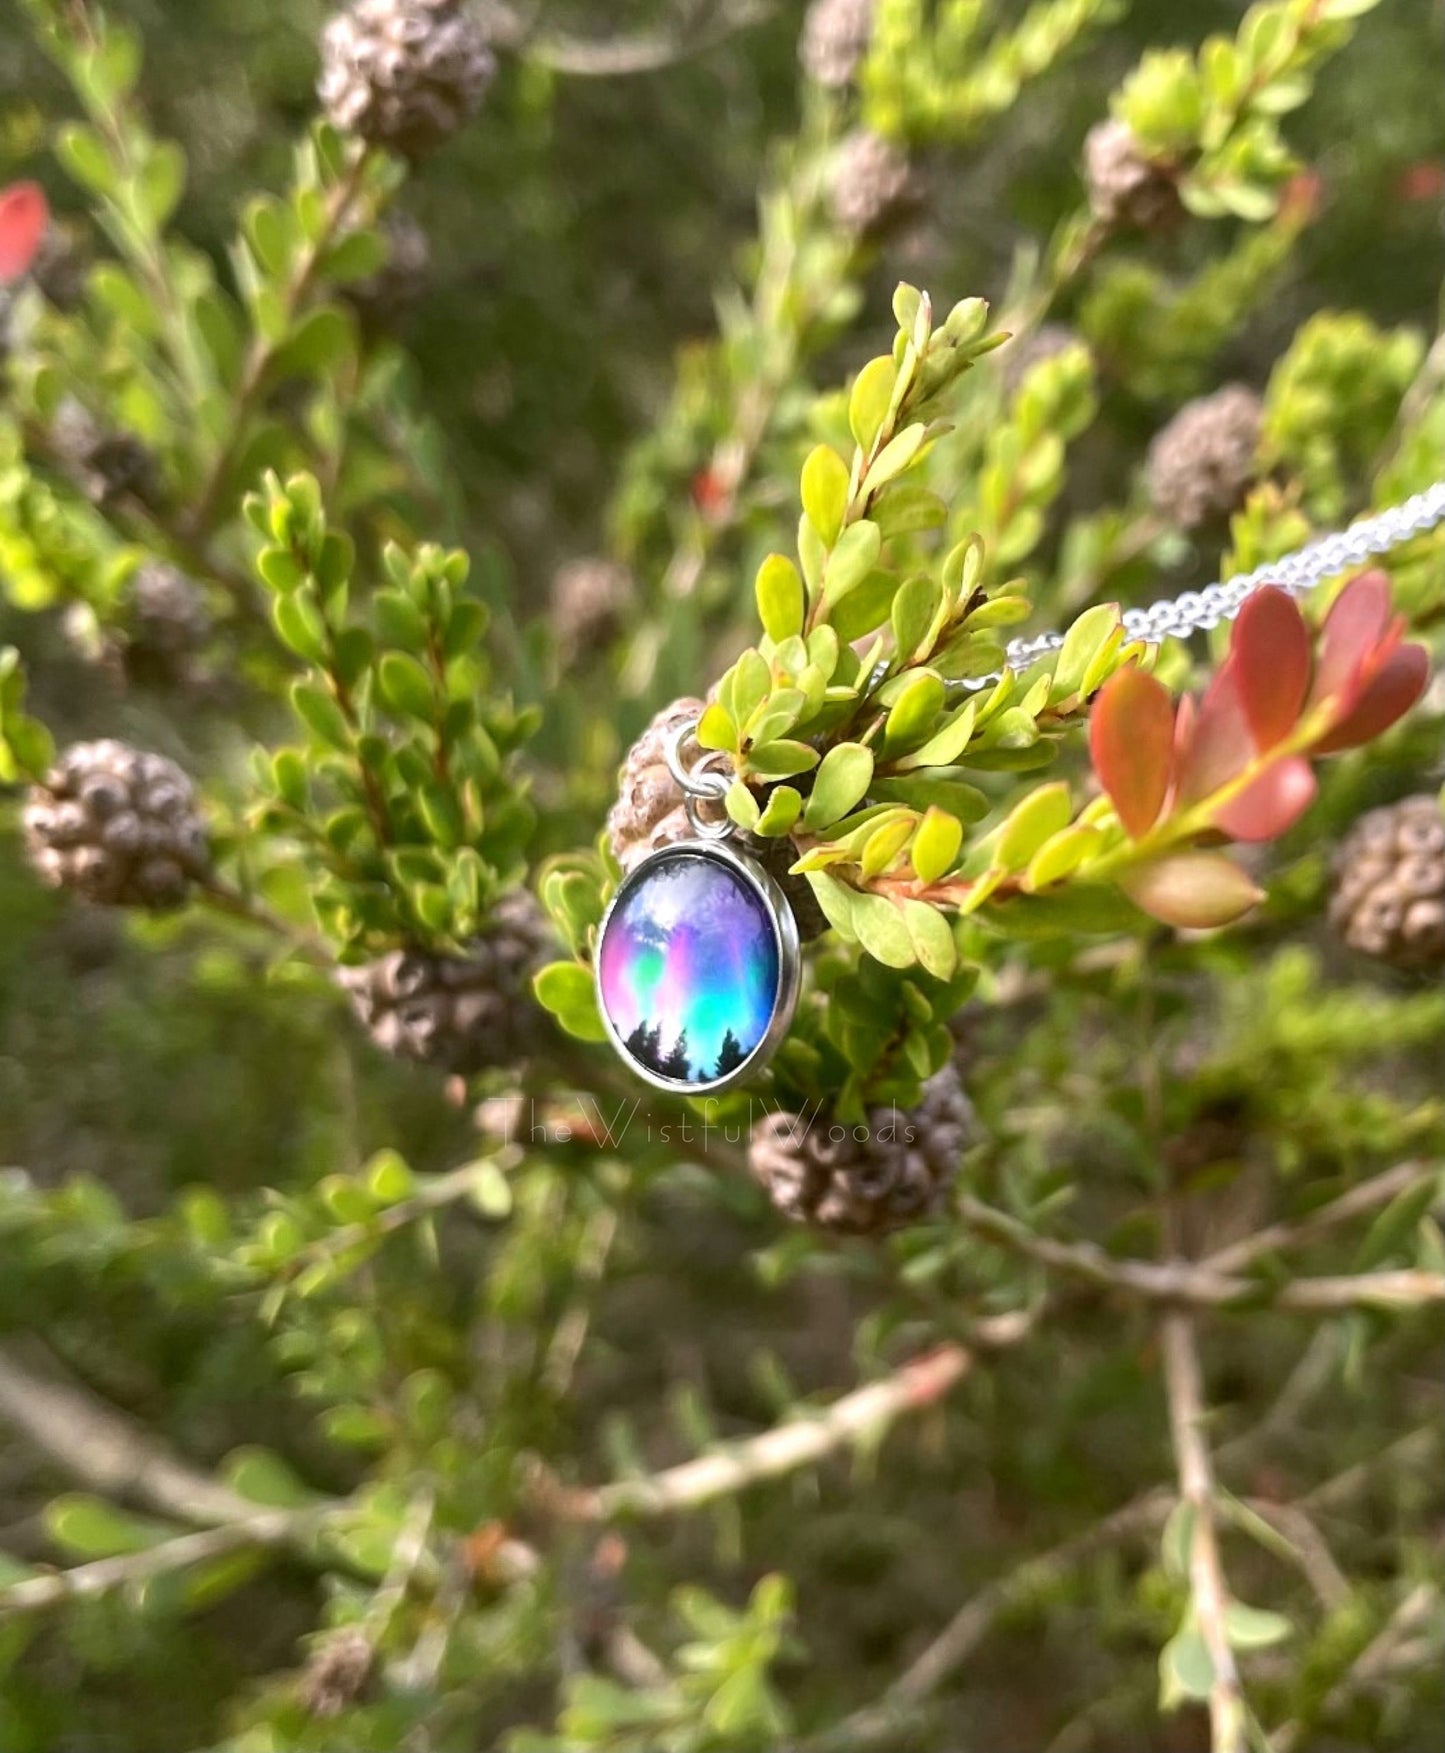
column 579, row 234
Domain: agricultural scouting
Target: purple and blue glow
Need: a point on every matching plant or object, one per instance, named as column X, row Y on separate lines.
column 688, row 969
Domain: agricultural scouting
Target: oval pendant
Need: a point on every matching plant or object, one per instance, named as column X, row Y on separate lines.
column 697, row 968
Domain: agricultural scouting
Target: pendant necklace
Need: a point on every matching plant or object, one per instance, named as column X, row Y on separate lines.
column 698, row 961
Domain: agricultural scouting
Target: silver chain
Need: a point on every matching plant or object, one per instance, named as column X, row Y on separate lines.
column 1196, row 611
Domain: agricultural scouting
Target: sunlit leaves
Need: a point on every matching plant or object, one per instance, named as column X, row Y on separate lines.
column 1192, row 889
column 1131, row 740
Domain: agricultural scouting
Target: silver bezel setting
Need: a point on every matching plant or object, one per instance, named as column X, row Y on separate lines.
column 785, row 936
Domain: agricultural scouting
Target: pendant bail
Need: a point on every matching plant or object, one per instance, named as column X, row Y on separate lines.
column 706, row 780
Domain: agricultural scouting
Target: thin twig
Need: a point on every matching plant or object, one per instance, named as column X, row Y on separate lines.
column 106, row 1450
column 1301, row 1541
column 617, row 57
column 1317, row 1364
column 262, row 353
column 1417, row 1448
column 406, row 1558
column 853, row 1419
column 1185, row 1282
column 221, row 897
column 1209, row 1594
column 884, row 1721
column 432, row 1194
column 570, row 1333
column 259, row 1528
column 1278, row 1238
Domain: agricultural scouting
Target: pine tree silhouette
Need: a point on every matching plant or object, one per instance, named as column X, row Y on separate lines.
column 730, row 1055
column 676, row 1064
column 645, row 1045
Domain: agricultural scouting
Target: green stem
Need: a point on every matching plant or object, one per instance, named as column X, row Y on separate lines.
column 262, row 353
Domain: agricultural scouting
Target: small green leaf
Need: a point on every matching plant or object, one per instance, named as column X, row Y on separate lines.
column 92, row 1528
column 932, row 938
column 490, row 1192
column 883, row 845
column 865, row 607
column 261, row 1475
column 782, row 759
column 913, row 611
column 742, row 806
column 837, row 901
column 567, row 990
column 83, row 153
column 1062, row 854
column 896, row 456
column 358, row 255
column 914, row 712
column 1084, row 639
column 936, row 844
column 781, row 811
column 716, row 729
column 870, row 400
column 388, row 1177
column 406, row 685
column 907, row 509
column 319, row 343
column 944, row 748
column 882, row 931
column 1255, row 1628
column 280, row 569
column 825, row 492
column 321, row 715
column 852, row 559
column 1041, row 815
column 840, row 784
column 1177, row 1539
column 748, row 685
column 1185, row 1668
column 779, row 590
column 298, row 621
column 162, row 182
column 268, row 231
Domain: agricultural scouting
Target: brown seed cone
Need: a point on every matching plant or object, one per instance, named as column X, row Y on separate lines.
column 898, row 1173
column 1389, row 898
column 1125, row 186
column 835, row 39
column 872, row 184
column 650, row 813
column 404, row 74
column 107, row 466
column 590, row 600
column 166, row 623
column 1201, row 464
column 337, row 1672
column 118, row 826
column 461, row 1014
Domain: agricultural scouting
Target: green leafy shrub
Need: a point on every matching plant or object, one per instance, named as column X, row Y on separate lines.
column 440, row 1388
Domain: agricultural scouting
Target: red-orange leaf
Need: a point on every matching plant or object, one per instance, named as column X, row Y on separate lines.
column 1356, row 623
column 1270, row 647
column 1194, row 890
column 1270, row 803
column 1220, row 746
column 24, row 215
column 1131, row 739
column 1387, row 695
